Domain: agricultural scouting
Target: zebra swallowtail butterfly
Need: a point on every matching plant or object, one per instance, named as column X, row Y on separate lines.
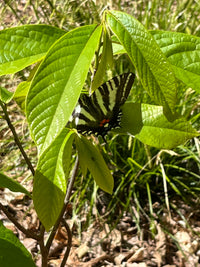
column 99, row 113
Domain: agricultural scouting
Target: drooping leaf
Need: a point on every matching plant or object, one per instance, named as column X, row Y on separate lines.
column 12, row 251
column 58, row 82
column 50, row 180
column 24, row 45
column 7, row 182
column 152, row 66
column 91, row 159
column 183, row 52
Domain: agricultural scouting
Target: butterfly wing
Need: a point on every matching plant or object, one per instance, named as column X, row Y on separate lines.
column 101, row 112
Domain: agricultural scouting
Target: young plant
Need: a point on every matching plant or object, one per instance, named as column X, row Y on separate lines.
column 63, row 60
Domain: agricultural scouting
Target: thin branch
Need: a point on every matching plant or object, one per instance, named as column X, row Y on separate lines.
column 10, row 125
column 71, row 181
column 43, row 249
column 69, row 243
column 68, row 195
column 27, row 232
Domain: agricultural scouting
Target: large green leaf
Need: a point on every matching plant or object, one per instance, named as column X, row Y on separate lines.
column 7, row 182
column 148, row 124
column 157, row 131
column 50, row 180
column 12, row 251
column 91, row 158
column 24, row 45
column 183, row 52
column 152, row 66
column 56, row 87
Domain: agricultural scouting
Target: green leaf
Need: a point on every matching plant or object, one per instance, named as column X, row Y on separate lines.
column 67, row 152
column 91, row 158
column 50, row 180
column 5, row 95
column 117, row 47
column 21, row 93
column 131, row 120
column 183, row 52
column 56, row 87
column 152, row 66
column 12, row 251
column 158, row 132
column 23, row 88
column 148, row 124
column 106, row 60
column 12, row 185
column 24, row 45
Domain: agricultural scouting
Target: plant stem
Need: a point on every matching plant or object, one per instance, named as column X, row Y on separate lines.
column 27, row 232
column 17, row 141
column 68, row 195
column 71, row 181
column 69, row 243
column 149, row 157
column 43, row 249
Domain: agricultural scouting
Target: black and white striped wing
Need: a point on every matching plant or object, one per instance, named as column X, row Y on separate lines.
column 101, row 112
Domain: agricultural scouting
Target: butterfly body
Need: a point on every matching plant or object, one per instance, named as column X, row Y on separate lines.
column 99, row 113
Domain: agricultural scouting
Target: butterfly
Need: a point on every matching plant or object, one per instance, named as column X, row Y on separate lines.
column 99, row 113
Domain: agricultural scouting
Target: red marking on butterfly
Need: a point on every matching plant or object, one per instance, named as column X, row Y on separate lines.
column 103, row 122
